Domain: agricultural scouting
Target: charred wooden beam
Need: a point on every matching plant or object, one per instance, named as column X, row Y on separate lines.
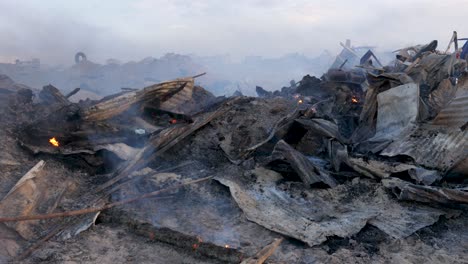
column 425, row 194
column 51, row 95
column 70, row 94
column 189, row 243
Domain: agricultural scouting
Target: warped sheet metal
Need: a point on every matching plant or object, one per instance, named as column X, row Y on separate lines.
column 455, row 114
column 431, row 146
column 341, row 211
column 176, row 102
column 112, row 106
column 322, row 127
column 397, row 109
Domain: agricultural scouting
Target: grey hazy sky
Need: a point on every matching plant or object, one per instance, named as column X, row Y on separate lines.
column 54, row 30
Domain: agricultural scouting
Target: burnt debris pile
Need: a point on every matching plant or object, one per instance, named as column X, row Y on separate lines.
column 367, row 163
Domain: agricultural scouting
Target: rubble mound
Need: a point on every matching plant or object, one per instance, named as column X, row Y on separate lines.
column 337, row 169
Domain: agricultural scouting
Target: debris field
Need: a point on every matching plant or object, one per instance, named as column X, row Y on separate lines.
column 368, row 163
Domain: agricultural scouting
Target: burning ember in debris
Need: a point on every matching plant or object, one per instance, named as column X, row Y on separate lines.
column 196, row 245
column 54, row 142
column 173, row 121
column 300, row 101
column 354, row 100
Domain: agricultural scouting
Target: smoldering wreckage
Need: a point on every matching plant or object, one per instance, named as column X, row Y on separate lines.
column 366, row 164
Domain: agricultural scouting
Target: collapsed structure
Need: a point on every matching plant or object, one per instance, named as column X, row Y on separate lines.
column 368, row 163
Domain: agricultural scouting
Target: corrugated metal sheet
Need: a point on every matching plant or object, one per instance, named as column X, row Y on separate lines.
column 455, row 113
column 109, row 107
column 432, row 146
column 176, row 102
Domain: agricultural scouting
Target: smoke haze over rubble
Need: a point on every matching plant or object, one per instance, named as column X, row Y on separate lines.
column 240, row 44
column 131, row 30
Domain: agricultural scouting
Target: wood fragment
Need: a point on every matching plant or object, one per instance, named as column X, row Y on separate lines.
column 453, row 39
column 199, row 75
column 32, row 173
column 52, row 95
column 265, row 253
column 308, row 173
column 415, row 62
column 70, row 94
column 93, row 210
column 425, row 194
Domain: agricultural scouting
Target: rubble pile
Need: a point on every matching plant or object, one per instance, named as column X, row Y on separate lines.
column 366, row 164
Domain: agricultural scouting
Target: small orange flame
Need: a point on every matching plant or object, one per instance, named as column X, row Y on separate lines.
column 196, row 245
column 54, row 142
column 354, row 100
column 300, row 101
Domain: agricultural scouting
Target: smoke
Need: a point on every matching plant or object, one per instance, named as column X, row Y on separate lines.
column 29, row 32
column 257, row 35
column 130, row 30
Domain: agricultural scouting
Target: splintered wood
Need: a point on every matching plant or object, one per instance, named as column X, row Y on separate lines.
column 265, row 253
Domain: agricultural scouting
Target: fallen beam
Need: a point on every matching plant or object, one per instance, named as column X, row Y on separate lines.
column 70, row 94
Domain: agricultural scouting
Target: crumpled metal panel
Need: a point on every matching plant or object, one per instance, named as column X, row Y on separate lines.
column 397, row 109
column 431, row 146
column 454, row 114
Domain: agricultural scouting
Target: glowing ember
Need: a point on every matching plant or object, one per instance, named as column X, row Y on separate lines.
column 300, row 101
column 226, row 246
column 196, row 245
column 54, row 142
column 173, row 121
column 354, row 100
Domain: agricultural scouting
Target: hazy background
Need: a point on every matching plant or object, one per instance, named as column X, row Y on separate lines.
column 133, row 29
column 55, row 30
